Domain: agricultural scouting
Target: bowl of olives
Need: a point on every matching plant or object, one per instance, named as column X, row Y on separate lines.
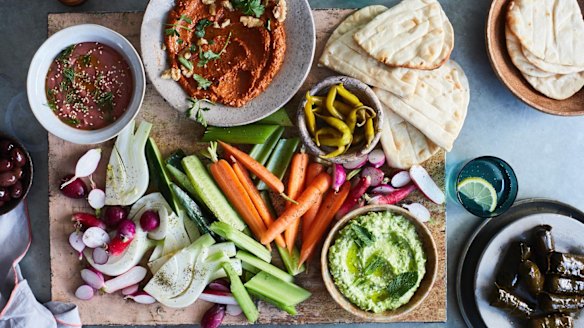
column 15, row 173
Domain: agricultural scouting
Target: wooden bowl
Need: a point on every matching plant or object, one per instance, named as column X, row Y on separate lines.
column 27, row 173
column 511, row 76
column 425, row 285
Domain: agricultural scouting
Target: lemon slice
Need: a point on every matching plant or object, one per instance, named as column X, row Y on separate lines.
column 480, row 191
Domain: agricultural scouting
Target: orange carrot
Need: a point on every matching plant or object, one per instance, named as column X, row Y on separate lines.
column 331, row 204
column 255, row 167
column 257, row 199
column 234, row 191
column 308, row 197
column 312, row 171
column 296, row 181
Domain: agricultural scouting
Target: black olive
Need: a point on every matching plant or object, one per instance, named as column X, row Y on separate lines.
column 18, row 172
column 5, row 147
column 16, row 190
column 5, row 165
column 7, row 179
column 4, row 195
column 18, row 157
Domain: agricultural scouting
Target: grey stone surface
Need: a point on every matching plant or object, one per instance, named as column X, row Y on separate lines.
column 546, row 151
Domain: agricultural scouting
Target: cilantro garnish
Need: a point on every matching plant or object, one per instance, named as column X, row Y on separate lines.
column 186, row 63
column 105, row 100
column 200, row 27
column 195, row 107
column 186, row 19
column 203, row 82
column 171, row 32
column 86, row 59
column 69, row 74
column 51, row 100
column 64, row 55
column 206, row 56
column 250, row 7
column 71, row 121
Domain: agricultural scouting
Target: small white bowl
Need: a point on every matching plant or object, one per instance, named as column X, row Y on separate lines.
column 39, row 68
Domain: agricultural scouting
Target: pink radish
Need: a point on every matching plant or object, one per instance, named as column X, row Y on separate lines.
column 114, row 215
column 142, row 298
column 127, row 229
column 375, row 174
column 392, row 198
column 213, row 317
column 220, row 285
column 339, row 176
column 131, row 277
column 149, row 220
column 84, row 292
column 233, row 310
column 96, row 199
column 76, row 189
column 92, row 278
column 401, row 179
column 86, row 220
column 130, row 290
column 376, row 158
column 215, row 296
column 356, row 163
column 76, row 241
column 95, row 237
column 86, row 165
column 100, row 255
column 419, row 211
column 354, row 196
column 426, row 185
column 383, row 189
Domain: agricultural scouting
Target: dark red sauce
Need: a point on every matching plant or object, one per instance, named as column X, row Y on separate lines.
column 89, row 85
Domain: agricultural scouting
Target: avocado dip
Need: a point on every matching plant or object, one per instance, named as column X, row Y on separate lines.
column 377, row 261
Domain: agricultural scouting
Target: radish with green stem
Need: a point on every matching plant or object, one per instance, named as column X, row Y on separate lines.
column 86, row 165
column 133, row 276
column 426, row 184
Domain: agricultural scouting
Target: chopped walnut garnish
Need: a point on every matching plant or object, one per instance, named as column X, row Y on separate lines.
column 227, row 5
column 212, row 9
column 165, row 74
column 187, row 55
column 216, row 24
column 188, row 74
column 208, row 2
column 175, row 74
column 225, row 23
column 250, row 21
column 280, row 11
column 202, row 41
column 163, row 46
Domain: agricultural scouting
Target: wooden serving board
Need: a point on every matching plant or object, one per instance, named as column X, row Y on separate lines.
column 172, row 130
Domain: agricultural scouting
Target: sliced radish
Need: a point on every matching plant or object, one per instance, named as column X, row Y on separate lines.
column 84, row 292
column 220, row 285
column 375, row 174
column 426, row 185
column 218, row 297
column 92, row 278
column 86, row 165
column 419, row 211
column 376, row 158
column 95, row 237
column 392, row 198
column 76, row 241
column 401, row 179
column 233, row 310
column 339, row 176
column 96, row 199
column 130, row 290
column 131, row 277
column 356, row 163
column 100, row 255
column 383, row 189
column 142, row 298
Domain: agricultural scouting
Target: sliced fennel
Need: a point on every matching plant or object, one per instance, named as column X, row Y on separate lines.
column 127, row 175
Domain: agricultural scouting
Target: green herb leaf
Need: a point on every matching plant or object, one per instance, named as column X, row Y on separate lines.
column 200, row 27
column 71, row 121
column 69, row 74
column 51, row 100
column 179, row 41
column 64, row 55
column 376, row 263
column 171, row 32
column 186, row 19
column 206, row 56
column 402, row 283
column 196, row 109
column 364, row 237
column 105, row 100
column 250, row 7
column 203, row 82
column 186, row 63
column 86, row 59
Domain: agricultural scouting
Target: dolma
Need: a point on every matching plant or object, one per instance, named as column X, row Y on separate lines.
column 543, row 245
column 567, row 265
column 531, row 276
column 508, row 274
column 566, row 286
column 510, row 302
column 552, row 321
column 560, row 303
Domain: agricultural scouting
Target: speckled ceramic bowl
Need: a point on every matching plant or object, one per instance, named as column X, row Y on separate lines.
column 426, row 284
column 365, row 94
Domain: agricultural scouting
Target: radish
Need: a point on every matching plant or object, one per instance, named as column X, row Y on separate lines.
column 339, row 176
column 356, row 163
column 100, row 255
column 392, row 198
column 84, row 292
column 142, row 298
column 150, row 220
column 127, row 230
column 131, row 277
column 426, row 185
column 375, row 174
column 401, row 179
column 220, row 285
column 96, row 199
column 76, row 241
column 124, row 237
column 213, row 317
column 376, row 158
column 95, row 237
column 383, row 189
column 76, row 189
column 130, row 290
column 233, row 310
column 419, row 211
column 86, row 220
column 92, row 278
column 219, row 297
column 86, row 165
column 354, row 196
column 114, row 215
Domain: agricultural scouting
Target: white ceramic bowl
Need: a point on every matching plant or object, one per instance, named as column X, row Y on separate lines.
column 39, row 67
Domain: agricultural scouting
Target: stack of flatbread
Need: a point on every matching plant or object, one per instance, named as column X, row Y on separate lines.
column 403, row 52
column 545, row 40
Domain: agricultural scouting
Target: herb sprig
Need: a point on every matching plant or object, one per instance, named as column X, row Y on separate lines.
column 196, row 109
column 201, row 26
column 203, row 82
column 206, row 56
column 402, row 283
column 249, row 7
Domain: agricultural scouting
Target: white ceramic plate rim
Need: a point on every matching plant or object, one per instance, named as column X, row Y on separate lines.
column 300, row 48
column 39, row 67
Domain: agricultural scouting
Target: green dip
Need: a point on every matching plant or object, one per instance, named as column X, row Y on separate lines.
column 378, row 261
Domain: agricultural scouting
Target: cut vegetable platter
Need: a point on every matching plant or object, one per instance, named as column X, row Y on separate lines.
column 172, row 130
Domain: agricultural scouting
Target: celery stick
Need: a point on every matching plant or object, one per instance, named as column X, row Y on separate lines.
column 245, row 134
column 246, row 257
column 240, row 293
column 241, row 240
column 287, row 308
column 280, row 159
column 276, row 289
column 279, row 117
column 262, row 152
column 249, row 268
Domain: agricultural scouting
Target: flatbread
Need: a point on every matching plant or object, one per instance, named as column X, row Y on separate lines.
column 549, row 67
column 552, row 30
column 343, row 55
column 438, row 106
column 558, row 87
column 410, row 34
column 403, row 144
column 518, row 58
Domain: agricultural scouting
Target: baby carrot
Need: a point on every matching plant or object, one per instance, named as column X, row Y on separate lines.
column 312, row 171
column 295, row 186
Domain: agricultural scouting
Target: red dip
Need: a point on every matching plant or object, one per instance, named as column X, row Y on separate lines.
column 89, row 85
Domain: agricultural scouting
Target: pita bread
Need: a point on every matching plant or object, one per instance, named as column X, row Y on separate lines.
column 346, row 57
column 438, row 106
column 518, row 58
column 558, row 87
column 403, row 144
column 410, row 34
column 356, row 19
column 548, row 67
column 552, row 30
